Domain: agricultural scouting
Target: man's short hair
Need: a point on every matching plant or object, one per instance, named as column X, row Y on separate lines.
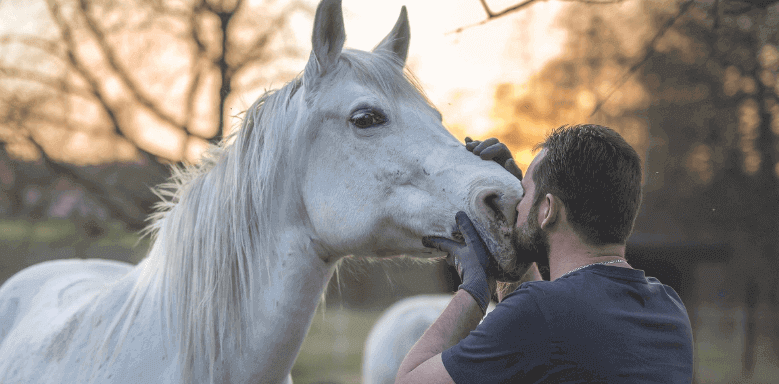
column 597, row 175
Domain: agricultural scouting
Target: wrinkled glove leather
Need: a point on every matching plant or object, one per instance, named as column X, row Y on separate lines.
column 471, row 259
column 492, row 149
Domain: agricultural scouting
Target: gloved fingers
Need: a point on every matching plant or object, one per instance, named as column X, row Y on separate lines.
column 498, row 152
column 484, row 144
column 468, row 140
column 470, row 145
column 441, row 244
column 513, row 168
column 472, row 238
column 452, row 261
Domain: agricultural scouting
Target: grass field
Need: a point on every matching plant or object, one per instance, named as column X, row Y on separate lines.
column 332, row 350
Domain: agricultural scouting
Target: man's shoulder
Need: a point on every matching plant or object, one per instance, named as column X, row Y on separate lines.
column 532, row 293
column 541, row 289
column 587, row 288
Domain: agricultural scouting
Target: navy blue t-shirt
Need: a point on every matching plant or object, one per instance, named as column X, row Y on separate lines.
column 601, row 324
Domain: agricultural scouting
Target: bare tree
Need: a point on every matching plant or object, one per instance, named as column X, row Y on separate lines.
column 154, row 80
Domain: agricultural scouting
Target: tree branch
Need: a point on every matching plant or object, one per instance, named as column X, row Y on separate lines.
column 194, row 84
column 650, row 50
column 78, row 66
column 491, row 15
column 113, row 62
column 494, row 15
column 54, row 83
column 255, row 49
column 48, row 46
column 119, row 207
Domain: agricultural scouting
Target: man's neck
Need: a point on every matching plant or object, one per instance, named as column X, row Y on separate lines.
column 568, row 252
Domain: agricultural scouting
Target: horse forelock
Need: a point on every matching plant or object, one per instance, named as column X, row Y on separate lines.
column 382, row 71
column 214, row 224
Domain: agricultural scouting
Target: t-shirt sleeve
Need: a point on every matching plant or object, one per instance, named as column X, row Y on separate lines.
column 510, row 345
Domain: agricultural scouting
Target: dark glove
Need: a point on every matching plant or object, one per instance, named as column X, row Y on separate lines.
column 471, row 260
column 492, row 149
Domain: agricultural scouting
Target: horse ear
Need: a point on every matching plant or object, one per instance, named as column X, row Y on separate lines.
column 398, row 39
column 328, row 38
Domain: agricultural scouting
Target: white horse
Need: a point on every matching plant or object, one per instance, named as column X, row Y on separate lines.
column 396, row 331
column 349, row 158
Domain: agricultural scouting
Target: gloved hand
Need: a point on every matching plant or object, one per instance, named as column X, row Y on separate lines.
column 492, row 149
column 471, row 259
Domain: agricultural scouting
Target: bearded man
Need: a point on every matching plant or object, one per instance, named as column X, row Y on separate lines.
column 597, row 320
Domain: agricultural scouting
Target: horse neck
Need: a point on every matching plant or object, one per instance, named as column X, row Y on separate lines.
column 287, row 302
column 285, row 305
column 288, row 278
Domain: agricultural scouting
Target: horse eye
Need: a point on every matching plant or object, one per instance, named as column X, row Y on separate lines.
column 366, row 118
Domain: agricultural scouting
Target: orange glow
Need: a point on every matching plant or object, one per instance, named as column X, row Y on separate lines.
column 514, row 78
column 699, row 163
column 565, row 90
column 748, row 123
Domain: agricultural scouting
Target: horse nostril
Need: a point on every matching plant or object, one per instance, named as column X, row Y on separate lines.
column 494, row 207
column 491, row 201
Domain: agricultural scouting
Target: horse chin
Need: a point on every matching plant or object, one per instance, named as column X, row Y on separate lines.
column 420, row 252
column 496, row 235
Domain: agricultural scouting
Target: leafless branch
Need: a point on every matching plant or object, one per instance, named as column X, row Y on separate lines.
column 194, row 31
column 75, row 21
column 650, row 50
column 491, row 15
column 78, row 65
column 49, row 46
column 120, row 71
column 53, row 83
column 255, row 49
column 194, row 83
column 494, row 15
column 594, row 2
column 119, row 207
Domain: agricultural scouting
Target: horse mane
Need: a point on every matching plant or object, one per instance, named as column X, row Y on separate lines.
column 207, row 231
column 210, row 230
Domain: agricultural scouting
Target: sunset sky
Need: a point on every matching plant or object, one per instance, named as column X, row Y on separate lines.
column 458, row 70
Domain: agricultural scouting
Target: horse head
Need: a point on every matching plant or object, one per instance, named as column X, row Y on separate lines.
column 381, row 171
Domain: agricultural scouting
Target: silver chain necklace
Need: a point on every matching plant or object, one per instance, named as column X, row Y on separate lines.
column 602, row 262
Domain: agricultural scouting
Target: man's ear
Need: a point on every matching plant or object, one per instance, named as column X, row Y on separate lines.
column 550, row 211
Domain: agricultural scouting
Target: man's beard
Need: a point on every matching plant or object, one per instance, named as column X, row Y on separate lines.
column 531, row 243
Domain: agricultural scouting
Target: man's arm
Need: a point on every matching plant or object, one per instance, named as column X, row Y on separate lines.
column 423, row 363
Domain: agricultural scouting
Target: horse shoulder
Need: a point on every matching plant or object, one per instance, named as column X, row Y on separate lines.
column 63, row 278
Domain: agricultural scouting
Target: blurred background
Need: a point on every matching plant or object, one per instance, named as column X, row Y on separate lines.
column 98, row 98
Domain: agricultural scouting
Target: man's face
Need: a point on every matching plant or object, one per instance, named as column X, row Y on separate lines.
column 530, row 241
